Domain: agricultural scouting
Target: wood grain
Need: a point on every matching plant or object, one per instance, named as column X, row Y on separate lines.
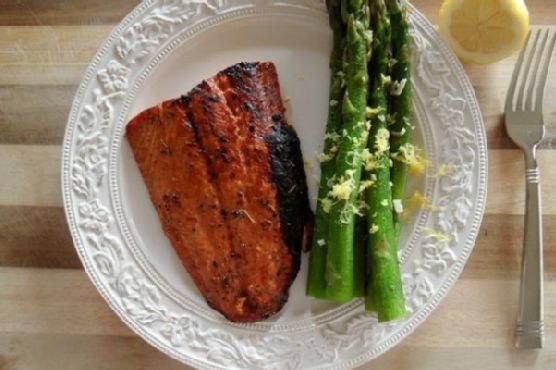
column 410, row 358
column 92, row 12
column 56, row 302
column 63, row 12
column 73, row 351
column 36, row 237
column 29, row 166
column 492, row 306
column 491, row 83
column 506, row 184
column 44, row 64
column 23, row 106
column 497, row 253
column 51, row 316
column 47, row 244
column 32, row 115
column 23, row 351
column 47, row 55
column 31, row 175
column 65, row 302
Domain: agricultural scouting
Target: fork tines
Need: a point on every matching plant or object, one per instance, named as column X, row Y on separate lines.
column 534, row 57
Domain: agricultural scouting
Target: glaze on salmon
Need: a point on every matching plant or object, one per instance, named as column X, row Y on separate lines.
column 225, row 172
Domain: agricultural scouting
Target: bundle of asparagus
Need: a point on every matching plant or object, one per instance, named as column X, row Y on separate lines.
column 354, row 250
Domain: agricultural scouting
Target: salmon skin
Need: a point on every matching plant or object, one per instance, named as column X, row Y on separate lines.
column 225, row 173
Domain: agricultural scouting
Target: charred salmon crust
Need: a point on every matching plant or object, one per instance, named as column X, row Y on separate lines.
column 224, row 171
column 289, row 177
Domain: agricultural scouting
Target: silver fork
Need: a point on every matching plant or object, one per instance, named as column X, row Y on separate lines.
column 525, row 126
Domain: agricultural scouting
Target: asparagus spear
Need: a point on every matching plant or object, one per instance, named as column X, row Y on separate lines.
column 359, row 257
column 316, row 284
column 385, row 292
column 400, row 101
column 344, row 193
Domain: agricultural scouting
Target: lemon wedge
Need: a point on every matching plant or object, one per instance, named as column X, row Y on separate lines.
column 484, row 31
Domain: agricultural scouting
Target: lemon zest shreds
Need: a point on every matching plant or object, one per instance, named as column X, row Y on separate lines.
column 419, row 199
column 326, row 204
column 413, row 157
column 343, row 189
column 440, row 236
column 382, row 140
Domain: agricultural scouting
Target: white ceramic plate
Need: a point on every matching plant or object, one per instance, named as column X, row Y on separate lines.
column 164, row 48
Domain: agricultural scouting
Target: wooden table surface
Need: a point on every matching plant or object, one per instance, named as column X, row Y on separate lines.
column 51, row 316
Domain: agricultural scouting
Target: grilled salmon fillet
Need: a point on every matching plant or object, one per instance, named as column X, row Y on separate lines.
column 225, row 172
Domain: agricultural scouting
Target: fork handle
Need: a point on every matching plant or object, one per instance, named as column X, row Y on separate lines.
column 529, row 330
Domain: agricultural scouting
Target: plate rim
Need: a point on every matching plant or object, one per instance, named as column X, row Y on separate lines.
column 456, row 68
